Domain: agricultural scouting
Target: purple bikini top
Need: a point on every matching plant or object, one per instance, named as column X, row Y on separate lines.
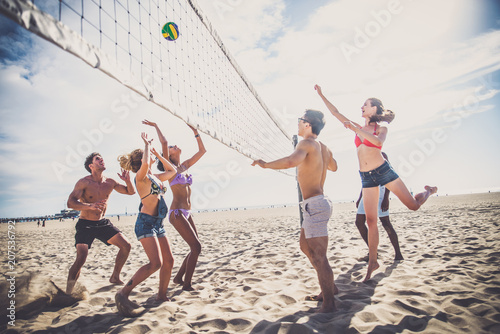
column 182, row 179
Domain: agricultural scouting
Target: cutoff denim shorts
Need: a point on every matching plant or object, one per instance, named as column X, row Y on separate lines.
column 151, row 226
column 379, row 176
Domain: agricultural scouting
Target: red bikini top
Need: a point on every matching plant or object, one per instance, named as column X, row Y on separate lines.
column 357, row 140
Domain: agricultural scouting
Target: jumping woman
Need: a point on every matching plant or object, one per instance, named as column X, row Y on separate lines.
column 374, row 169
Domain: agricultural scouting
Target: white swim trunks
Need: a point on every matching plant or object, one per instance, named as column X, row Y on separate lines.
column 317, row 211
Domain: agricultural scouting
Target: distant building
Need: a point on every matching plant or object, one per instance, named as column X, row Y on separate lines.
column 66, row 213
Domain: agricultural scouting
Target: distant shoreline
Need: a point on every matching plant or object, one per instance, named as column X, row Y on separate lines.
column 256, row 207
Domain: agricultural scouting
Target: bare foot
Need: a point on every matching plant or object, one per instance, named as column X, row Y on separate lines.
column 432, row 190
column 187, row 288
column 178, row 280
column 162, row 298
column 319, row 297
column 422, row 197
column 61, row 299
column 115, row 280
column 371, row 268
column 126, row 307
column 70, row 286
column 399, row 257
column 327, row 308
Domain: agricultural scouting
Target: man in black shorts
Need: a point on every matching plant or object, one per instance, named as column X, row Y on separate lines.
column 90, row 196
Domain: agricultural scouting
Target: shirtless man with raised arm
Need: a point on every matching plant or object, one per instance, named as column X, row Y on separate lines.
column 312, row 159
column 90, row 196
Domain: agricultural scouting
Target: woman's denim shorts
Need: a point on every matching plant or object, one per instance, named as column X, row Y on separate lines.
column 379, row 176
column 151, row 226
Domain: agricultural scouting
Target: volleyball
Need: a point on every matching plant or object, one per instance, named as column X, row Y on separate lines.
column 170, row 31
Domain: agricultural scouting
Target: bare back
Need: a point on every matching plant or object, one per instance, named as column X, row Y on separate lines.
column 311, row 173
column 149, row 201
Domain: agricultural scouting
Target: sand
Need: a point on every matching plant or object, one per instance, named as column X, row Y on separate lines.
column 253, row 278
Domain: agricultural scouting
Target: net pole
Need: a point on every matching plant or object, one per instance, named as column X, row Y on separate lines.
column 295, row 141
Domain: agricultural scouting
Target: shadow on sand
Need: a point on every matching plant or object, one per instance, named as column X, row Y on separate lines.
column 352, row 298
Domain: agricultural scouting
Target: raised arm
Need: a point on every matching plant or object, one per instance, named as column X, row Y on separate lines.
column 146, row 158
column 201, row 150
column 128, row 189
column 335, row 112
column 169, row 168
column 77, row 193
column 161, row 137
column 293, row 160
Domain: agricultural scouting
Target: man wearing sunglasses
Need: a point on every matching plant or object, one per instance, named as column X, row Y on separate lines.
column 312, row 159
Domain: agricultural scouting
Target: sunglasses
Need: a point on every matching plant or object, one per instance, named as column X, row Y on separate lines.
column 304, row 120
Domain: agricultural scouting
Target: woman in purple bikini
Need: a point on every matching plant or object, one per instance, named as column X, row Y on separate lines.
column 179, row 214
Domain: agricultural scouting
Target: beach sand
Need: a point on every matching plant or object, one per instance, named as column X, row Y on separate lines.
column 253, row 278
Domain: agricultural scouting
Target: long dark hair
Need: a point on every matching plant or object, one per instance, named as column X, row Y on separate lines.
column 160, row 166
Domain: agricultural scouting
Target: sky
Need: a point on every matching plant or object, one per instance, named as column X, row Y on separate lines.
column 435, row 64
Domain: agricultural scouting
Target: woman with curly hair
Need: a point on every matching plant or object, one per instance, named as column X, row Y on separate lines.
column 149, row 225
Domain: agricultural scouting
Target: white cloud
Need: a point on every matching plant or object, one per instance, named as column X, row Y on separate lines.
column 413, row 64
column 405, row 63
column 417, row 64
column 245, row 24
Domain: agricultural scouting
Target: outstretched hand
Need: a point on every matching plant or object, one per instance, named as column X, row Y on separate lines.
column 192, row 127
column 259, row 162
column 318, row 89
column 124, row 175
column 144, row 137
column 351, row 125
column 146, row 122
column 155, row 152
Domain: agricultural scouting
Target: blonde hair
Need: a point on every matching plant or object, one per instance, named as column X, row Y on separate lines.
column 382, row 114
column 131, row 161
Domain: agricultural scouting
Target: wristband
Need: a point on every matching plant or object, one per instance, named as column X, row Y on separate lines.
column 197, row 136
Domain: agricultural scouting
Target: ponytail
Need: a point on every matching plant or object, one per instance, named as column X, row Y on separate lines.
column 382, row 115
column 131, row 161
column 387, row 116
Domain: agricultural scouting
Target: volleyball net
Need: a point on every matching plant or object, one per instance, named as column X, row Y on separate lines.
column 193, row 77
